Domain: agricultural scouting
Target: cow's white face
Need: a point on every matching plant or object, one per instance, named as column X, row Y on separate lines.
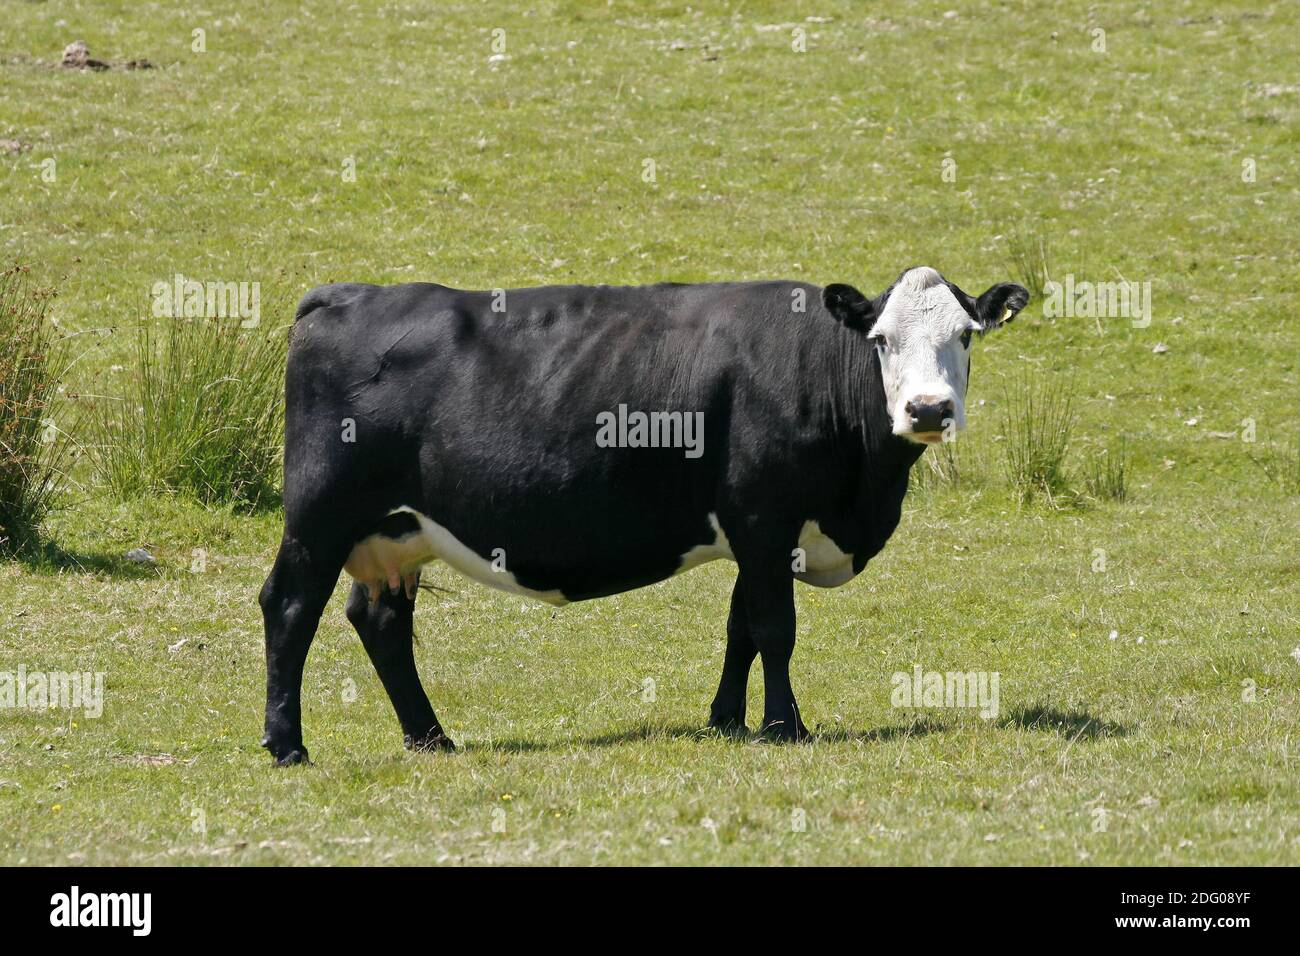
column 923, row 338
column 922, row 330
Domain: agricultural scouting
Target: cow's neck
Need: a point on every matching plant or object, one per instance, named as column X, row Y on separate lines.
column 882, row 460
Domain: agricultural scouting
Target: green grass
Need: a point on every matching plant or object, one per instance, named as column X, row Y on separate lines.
column 827, row 165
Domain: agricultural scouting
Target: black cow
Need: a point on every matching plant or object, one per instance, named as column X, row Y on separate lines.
column 571, row 442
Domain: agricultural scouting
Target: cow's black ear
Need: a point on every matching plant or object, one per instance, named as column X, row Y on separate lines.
column 848, row 305
column 1000, row 304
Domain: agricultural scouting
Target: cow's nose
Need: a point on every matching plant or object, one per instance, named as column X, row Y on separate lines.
column 929, row 415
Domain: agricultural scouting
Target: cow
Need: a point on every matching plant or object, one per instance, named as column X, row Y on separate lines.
column 573, row 442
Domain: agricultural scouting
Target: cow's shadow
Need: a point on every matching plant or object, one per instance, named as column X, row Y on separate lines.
column 1074, row 724
column 922, row 726
column 686, row 731
column 637, row 734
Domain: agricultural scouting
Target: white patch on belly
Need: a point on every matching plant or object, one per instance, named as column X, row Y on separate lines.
column 378, row 560
column 827, row 566
column 701, row 553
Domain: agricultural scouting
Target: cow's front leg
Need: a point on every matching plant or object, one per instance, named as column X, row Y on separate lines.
column 386, row 627
column 728, row 711
column 769, row 606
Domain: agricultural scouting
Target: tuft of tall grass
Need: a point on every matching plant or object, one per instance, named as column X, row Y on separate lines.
column 1105, row 476
column 34, row 450
column 940, row 465
column 1282, row 466
column 1038, row 418
column 1031, row 259
column 202, row 415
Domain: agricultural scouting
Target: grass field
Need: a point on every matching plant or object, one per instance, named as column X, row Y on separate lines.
column 1149, row 693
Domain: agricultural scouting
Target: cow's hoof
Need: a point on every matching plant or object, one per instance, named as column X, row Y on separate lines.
column 286, row 755
column 784, row 731
column 729, row 725
column 430, row 743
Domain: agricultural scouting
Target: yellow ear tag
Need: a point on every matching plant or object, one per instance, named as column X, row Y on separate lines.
column 1005, row 315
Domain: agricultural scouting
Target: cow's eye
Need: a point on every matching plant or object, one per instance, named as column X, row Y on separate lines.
column 879, row 342
column 965, row 339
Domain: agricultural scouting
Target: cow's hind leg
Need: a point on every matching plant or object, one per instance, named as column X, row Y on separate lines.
column 728, row 711
column 387, row 630
column 292, row 600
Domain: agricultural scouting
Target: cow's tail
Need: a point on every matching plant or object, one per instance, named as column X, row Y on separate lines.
column 315, row 299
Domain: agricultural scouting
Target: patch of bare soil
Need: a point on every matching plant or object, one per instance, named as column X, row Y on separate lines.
column 76, row 56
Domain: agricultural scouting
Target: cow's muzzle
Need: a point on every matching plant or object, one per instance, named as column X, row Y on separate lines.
column 928, row 417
